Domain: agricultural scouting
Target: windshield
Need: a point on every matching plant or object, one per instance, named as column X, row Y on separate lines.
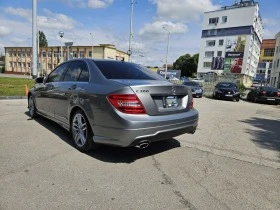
column 191, row 84
column 227, row 85
column 124, row 70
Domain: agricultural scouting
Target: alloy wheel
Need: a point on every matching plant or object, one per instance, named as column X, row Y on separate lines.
column 79, row 130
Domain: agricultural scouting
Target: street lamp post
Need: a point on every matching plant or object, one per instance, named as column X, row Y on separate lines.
column 91, row 45
column 166, row 51
column 129, row 52
column 61, row 34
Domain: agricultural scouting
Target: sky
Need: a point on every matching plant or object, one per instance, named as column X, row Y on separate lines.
column 109, row 23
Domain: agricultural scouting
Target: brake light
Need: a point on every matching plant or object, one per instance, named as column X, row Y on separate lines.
column 263, row 93
column 191, row 104
column 278, row 94
column 127, row 103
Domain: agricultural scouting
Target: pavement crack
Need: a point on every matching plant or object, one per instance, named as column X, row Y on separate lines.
column 170, row 182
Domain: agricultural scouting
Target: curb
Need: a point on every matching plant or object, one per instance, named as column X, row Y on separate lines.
column 12, row 97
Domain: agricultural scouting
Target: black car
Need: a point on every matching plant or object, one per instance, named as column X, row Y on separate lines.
column 264, row 94
column 195, row 88
column 226, row 90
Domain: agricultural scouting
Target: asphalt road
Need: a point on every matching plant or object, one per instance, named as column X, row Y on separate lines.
column 231, row 162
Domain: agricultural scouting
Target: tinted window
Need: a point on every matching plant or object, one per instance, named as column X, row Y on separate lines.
column 191, row 83
column 56, row 74
column 227, row 85
column 269, row 89
column 123, row 70
column 75, row 72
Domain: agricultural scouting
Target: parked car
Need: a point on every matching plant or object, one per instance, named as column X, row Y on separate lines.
column 113, row 102
column 197, row 91
column 264, row 94
column 226, row 90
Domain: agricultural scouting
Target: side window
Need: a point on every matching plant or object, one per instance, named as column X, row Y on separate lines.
column 84, row 76
column 56, row 74
column 77, row 72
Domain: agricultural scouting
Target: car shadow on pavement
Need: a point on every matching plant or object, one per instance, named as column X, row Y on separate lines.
column 266, row 133
column 110, row 153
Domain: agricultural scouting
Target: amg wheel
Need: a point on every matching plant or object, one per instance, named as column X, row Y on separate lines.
column 81, row 132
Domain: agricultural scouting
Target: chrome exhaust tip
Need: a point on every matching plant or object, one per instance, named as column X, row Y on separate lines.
column 143, row 145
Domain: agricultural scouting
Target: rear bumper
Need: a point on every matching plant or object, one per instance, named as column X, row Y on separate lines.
column 269, row 99
column 227, row 96
column 155, row 129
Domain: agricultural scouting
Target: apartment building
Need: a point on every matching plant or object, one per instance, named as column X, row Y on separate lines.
column 18, row 60
column 231, row 41
column 265, row 61
column 275, row 72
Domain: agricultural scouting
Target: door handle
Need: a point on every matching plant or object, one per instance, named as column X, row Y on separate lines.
column 72, row 87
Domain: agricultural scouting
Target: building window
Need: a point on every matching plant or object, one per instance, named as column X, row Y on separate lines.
column 44, row 54
column 212, row 32
column 221, row 42
column 89, row 54
column 269, row 52
column 24, row 65
column 28, row 54
column 210, row 43
column 224, row 19
column 207, row 64
column 209, row 54
column 19, row 64
column 10, row 53
column 74, row 53
column 49, row 54
column 11, row 64
column 49, row 66
column 219, row 53
column 56, row 54
column 19, row 54
column 277, row 63
column 23, row 54
column 213, row 20
column 82, row 54
column 15, row 53
column 269, row 71
column 28, row 65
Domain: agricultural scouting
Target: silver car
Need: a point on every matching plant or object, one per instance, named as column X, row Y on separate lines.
column 113, row 102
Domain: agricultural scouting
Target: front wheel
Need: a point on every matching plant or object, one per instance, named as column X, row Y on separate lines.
column 81, row 132
column 32, row 107
column 237, row 99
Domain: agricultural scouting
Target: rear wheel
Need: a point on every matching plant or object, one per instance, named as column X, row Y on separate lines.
column 31, row 106
column 81, row 132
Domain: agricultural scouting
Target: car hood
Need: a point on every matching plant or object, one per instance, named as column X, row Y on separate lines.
column 228, row 89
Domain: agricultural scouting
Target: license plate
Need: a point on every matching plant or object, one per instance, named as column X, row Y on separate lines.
column 198, row 91
column 171, row 101
column 270, row 99
column 228, row 95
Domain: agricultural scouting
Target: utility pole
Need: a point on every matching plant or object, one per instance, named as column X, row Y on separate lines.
column 129, row 52
column 91, row 45
column 34, row 39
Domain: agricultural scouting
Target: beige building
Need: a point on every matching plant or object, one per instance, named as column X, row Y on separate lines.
column 18, row 60
column 275, row 72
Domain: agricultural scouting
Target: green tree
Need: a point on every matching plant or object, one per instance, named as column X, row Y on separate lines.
column 43, row 42
column 187, row 64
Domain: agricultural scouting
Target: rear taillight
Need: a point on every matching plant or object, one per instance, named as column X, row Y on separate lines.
column 262, row 93
column 191, row 104
column 127, row 103
column 278, row 94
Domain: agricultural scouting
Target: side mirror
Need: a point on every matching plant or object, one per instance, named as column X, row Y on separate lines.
column 39, row 80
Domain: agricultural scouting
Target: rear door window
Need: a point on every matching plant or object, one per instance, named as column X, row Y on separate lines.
column 56, row 75
column 124, row 70
column 77, row 71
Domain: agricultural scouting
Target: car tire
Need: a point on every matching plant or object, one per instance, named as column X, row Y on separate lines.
column 237, row 99
column 31, row 106
column 81, row 132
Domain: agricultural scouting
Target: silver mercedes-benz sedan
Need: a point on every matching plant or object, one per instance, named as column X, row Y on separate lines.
column 113, row 102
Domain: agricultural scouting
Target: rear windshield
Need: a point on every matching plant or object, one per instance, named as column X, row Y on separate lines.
column 124, row 70
column 269, row 89
column 191, row 83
